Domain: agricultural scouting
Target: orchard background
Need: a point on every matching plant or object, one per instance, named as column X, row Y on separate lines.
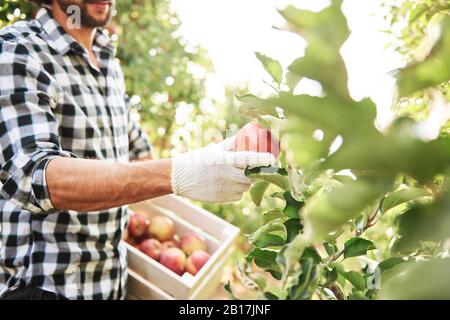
column 353, row 210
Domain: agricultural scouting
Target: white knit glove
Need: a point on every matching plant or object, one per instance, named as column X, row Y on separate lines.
column 213, row 174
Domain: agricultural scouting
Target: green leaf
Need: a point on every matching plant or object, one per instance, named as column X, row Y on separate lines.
column 300, row 290
column 357, row 247
column 325, row 32
column 228, row 288
column 282, row 171
column 292, row 206
column 311, row 253
column 259, row 280
column 417, row 12
column 429, row 222
column 330, row 113
column 331, row 276
column 274, row 226
column 360, row 223
column 289, row 256
column 327, row 211
column 252, row 106
column 387, row 155
column 272, row 66
column 272, row 215
column 355, row 278
column 293, row 227
column 279, row 195
column 401, row 196
column 292, row 80
column 269, row 170
column 357, row 295
column 276, row 274
column 270, row 296
column 417, row 280
column 331, row 249
column 266, row 259
column 269, row 240
column 389, row 263
column 266, row 174
column 257, row 192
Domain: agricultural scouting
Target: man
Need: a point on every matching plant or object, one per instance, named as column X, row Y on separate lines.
column 65, row 171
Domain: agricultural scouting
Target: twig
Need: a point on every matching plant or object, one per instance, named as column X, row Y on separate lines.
column 337, row 255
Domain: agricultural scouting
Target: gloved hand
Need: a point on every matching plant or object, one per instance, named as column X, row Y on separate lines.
column 214, row 174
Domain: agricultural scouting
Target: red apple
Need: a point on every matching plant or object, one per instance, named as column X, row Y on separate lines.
column 128, row 239
column 137, row 225
column 196, row 261
column 161, row 228
column 152, row 248
column 136, row 244
column 170, row 244
column 132, row 242
column 191, row 242
column 174, row 259
column 252, row 137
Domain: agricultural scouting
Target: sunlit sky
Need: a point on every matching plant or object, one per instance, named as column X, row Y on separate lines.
column 232, row 30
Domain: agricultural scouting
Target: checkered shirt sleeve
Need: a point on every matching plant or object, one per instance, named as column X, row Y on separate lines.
column 28, row 129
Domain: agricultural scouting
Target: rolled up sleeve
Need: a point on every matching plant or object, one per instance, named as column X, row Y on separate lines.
column 139, row 144
column 28, row 129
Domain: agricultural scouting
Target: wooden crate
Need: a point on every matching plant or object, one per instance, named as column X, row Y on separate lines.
column 149, row 279
column 141, row 289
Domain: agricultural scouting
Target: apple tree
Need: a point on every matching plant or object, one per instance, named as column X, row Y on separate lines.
column 362, row 214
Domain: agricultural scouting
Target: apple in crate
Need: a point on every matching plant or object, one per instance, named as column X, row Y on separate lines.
column 174, row 259
column 170, row 244
column 253, row 137
column 161, row 227
column 129, row 239
column 196, row 261
column 137, row 225
column 152, row 248
column 191, row 242
column 132, row 242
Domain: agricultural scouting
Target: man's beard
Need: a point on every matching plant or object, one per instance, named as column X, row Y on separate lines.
column 86, row 19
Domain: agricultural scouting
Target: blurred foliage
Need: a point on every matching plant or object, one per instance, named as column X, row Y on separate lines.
column 416, row 25
column 412, row 22
column 167, row 75
column 365, row 213
column 14, row 10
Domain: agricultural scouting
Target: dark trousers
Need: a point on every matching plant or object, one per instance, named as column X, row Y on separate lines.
column 31, row 293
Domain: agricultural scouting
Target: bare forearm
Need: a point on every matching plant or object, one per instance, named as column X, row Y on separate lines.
column 91, row 185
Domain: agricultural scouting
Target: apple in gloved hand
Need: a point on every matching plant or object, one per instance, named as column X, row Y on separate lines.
column 191, row 242
column 196, row 261
column 161, row 228
column 152, row 248
column 174, row 259
column 253, row 137
column 137, row 225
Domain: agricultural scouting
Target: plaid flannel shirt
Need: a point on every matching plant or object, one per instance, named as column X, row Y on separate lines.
column 55, row 103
